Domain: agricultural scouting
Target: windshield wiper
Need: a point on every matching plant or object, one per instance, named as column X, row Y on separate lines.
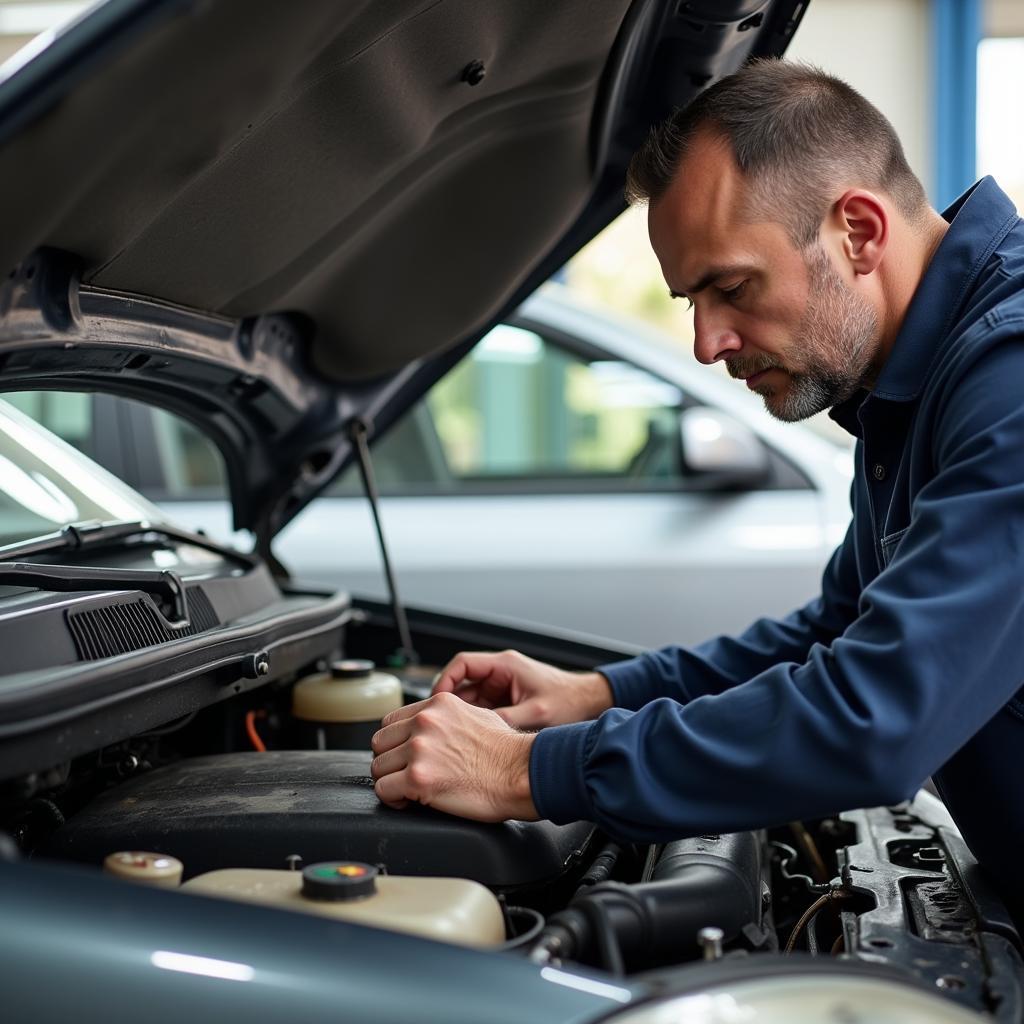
column 162, row 584
column 78, row 536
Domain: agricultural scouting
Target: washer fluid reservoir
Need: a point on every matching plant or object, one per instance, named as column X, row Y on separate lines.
column 446, row 909
column 341, row 709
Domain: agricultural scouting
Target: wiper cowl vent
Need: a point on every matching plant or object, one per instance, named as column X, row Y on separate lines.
column 126, row 626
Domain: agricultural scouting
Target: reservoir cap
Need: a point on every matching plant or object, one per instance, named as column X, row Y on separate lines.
column 352, row 668
column 143, row 866
column 339, row 880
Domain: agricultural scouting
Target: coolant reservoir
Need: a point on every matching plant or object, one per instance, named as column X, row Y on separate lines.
column 346, row 704
column 447, row 909
column 145, row 868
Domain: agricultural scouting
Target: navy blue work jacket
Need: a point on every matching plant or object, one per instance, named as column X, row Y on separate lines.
column 911, row 662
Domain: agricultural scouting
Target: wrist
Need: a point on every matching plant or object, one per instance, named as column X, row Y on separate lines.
column 597, row 694
column 518, row 803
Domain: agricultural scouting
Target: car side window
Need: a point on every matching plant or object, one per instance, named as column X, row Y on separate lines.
column 524, row 408
column 187, row 464
column 524, row 413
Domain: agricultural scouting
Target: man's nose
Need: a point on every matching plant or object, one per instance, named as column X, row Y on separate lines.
column 713, row 338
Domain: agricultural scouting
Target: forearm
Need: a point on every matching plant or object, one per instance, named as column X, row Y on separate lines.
column 787, row 744
column 683, row 674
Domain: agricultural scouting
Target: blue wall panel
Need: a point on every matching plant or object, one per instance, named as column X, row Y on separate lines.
column 956, row 30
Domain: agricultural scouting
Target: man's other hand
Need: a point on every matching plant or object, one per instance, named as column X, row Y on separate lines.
column 525, row 693
column 444, row 753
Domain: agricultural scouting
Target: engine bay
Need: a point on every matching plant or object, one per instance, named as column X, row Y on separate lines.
column 255, row 805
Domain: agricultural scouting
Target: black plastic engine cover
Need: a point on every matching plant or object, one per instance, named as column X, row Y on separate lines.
column 255, row 809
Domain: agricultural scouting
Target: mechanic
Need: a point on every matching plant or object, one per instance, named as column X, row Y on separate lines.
column 782, row 207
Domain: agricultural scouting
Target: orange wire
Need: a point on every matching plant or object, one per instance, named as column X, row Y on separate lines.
column 250, row 728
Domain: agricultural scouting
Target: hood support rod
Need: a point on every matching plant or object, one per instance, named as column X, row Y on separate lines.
column 359, row 431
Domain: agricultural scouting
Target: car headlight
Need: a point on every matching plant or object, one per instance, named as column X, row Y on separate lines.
column 819, row 999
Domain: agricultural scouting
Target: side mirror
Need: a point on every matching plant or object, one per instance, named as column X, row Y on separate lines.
column 720, row 449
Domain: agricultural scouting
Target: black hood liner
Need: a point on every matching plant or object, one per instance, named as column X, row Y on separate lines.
column 331, row 157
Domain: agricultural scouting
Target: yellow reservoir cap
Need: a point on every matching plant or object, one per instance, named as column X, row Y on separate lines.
column 350, row 692
column 453, row 910
column 144, row 867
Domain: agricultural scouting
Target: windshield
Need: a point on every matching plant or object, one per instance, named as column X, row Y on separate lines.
column 46, row 484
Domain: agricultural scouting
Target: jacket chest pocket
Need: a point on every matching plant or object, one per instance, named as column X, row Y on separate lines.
column 887, row 545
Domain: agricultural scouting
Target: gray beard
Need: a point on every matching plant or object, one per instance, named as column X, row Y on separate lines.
column 834, row 340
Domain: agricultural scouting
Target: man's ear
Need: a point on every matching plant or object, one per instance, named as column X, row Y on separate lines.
column 861, row 221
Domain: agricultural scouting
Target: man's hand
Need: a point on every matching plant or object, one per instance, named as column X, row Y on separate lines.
column 525, row 693
column 446, row 754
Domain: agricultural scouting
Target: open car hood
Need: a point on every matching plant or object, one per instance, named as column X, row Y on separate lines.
column 277, row 220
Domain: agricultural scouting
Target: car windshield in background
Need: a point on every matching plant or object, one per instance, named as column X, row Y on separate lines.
column 46, row 484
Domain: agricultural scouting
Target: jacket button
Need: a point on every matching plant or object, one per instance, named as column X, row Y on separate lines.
column 879, row 471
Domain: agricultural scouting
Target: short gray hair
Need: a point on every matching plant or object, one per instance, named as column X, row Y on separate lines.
column 796, row 133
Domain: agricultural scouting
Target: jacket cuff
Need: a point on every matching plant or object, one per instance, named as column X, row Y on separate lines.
column 630, row 682
column 556, row 772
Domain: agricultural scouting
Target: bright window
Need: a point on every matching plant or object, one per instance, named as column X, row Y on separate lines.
column 1000, row 88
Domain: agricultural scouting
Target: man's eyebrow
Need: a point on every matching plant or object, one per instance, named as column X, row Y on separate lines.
column 711, row 276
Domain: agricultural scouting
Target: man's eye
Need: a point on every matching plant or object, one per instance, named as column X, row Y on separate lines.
column 734, row 293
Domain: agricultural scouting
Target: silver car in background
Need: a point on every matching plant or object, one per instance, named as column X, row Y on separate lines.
column 644, row 498
column 648, row 499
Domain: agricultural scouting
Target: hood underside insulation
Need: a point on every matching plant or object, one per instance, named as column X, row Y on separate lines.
column 390, row 170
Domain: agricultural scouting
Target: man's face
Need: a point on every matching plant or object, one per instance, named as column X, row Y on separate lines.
column 782, row 318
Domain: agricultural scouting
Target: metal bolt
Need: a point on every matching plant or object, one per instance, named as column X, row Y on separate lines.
column 710, row 941
column 293, row 860
column 256, row 665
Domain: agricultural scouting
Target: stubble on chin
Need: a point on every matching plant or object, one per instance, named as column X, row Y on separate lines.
column 835, row 337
